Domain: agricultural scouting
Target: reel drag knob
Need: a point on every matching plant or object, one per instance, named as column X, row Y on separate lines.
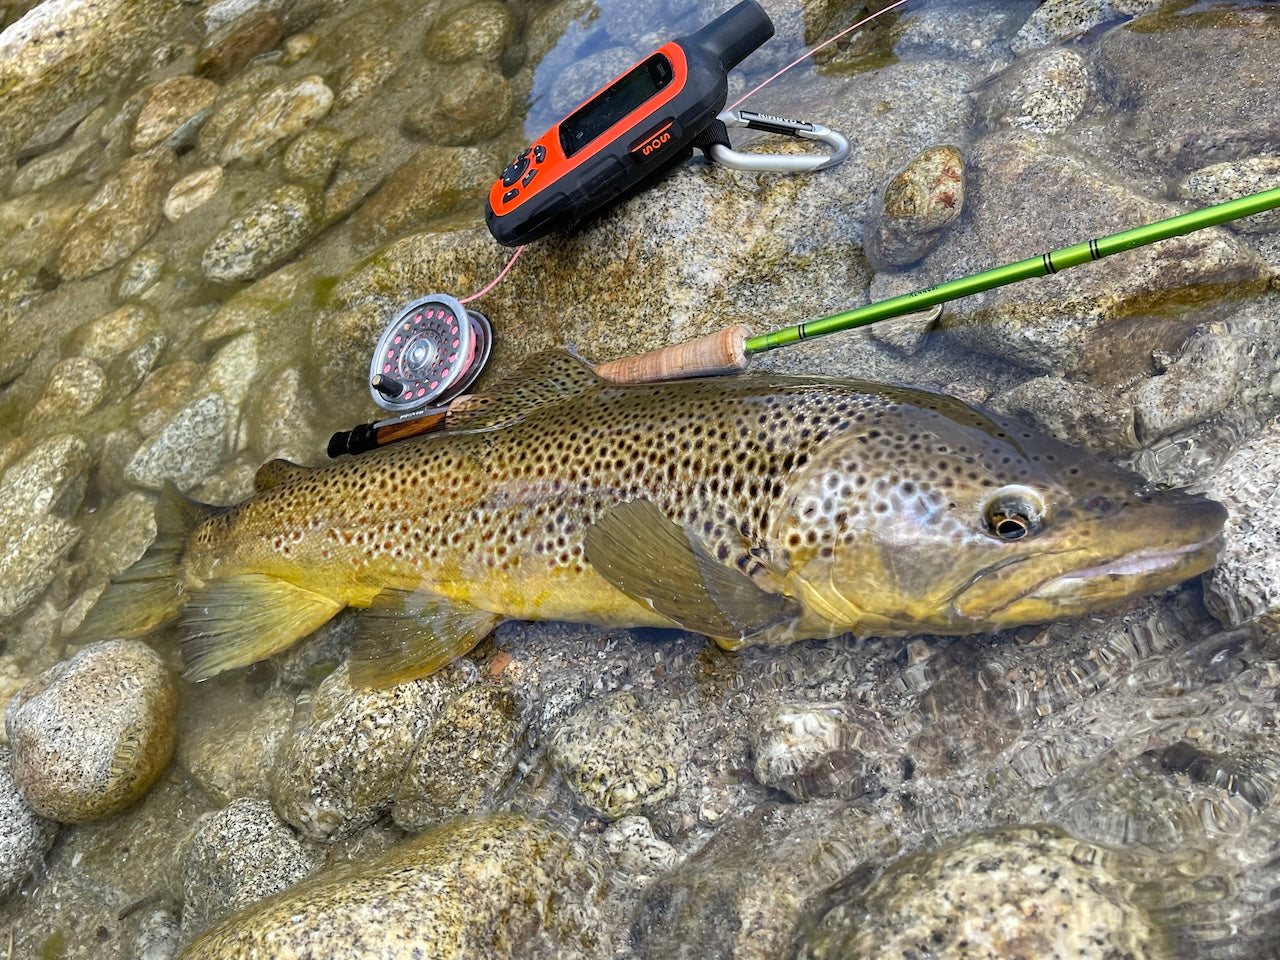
column 431, row 352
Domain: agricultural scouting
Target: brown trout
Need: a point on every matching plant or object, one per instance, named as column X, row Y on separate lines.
column 752, row 509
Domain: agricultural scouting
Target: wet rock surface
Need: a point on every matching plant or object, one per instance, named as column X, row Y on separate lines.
column 92, row 734
column 334, row 158
column 969, row 899
column 489, row 888
column 25, row 836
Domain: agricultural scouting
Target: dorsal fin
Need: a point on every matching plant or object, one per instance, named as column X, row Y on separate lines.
column 275, row 472
column 540, row 379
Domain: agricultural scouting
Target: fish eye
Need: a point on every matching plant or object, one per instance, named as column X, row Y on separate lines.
column 1014, row 512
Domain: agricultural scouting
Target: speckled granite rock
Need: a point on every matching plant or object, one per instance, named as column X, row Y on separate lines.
column 433, row 182
column 969, row 898
column 194, row 190
column 264, row 236
column 342, row 762
column 186, row 449
column 173, row 111
column 1076, row 320
column 276, row 116
column 75, row 388
column 481, row 30
column 809, row 750
column 65, row 53
column 474, row 108
column 25, row 836
column 464, row 761
column 617, row 756
column 235, row 858
column 92, row 734
column 1245, row 583
column 1221, row 182
column 490, row 889
column 1180, row 120
column 745, row 893
column 1058, row 20
column 120, row 217
column 367, row 71
column 39, row 496
column 1044, row 94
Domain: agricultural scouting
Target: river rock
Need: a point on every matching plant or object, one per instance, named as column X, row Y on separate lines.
column 65, row 54
column 236, row 857
column 917, row 206
column 173, row 111
column 1022, row 891
column 92, row 734
column 33, row 227
column 313, row 156
column 120, row 217
column 1236, row 178
column 39, row 497
column 25, row 836
column 343, row 760
column 367, row 71
column 474, row 107
column 277, row 115
column 112, row 334
column 464, row 761
column 481, row 30
column 264, row 236
column 1044, row 93
column 137, row 276
column 1073, row 411
column 194, row 190
column 431, row 183
column 809, row 750
column 637, row 849
column 1200, row 381
column 75, row 388
column 1076, row 320
column 233, row 45
column 500, row 888
column 1180, row 120
column 186, row 450
column 745, row 893
column 1057, row 20
column 1245, row 583
column 616, row 756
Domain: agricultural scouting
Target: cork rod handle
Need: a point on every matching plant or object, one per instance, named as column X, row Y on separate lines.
column 717, row 353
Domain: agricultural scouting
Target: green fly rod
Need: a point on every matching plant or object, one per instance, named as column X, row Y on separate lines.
column 727, row 351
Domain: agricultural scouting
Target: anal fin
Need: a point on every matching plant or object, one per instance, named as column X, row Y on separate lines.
column 650, row 558
column 242, row 619
column 406, row 634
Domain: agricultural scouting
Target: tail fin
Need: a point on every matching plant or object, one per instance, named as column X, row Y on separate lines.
column 149, row 593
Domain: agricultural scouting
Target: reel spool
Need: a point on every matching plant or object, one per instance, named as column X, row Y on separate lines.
column 431, row 352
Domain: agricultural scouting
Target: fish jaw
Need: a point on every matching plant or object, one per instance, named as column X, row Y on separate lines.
column 1150, row 547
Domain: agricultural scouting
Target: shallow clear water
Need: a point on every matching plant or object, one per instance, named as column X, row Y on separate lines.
column 1149, row 731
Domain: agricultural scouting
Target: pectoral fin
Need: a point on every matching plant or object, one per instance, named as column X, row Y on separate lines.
column 405, row 635
column 650, row 558
column 243, row 619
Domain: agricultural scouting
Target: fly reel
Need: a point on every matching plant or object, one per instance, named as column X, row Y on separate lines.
column 430, row 353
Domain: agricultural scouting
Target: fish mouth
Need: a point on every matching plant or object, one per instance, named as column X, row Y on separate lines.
column 1157, row 567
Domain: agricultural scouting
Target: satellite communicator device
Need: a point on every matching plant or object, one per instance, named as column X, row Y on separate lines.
column 637, row 126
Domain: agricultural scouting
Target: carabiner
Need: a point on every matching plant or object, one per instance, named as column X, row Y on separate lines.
column 779, row 162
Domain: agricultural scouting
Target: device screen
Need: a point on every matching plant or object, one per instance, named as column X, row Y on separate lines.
column 614, row 102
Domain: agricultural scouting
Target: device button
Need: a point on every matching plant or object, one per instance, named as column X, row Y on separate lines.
column 516, row 168
column 539, row 153
column 510, row 195
column 528, row 178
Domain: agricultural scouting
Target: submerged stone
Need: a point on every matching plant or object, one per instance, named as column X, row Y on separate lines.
column 918, row 204
column 264, row 236
column 501, row 888
column 92, row 734
column 120, row 217
column 172, row 110
column 1017, row 892
column 25, row 836
column 274, row 117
